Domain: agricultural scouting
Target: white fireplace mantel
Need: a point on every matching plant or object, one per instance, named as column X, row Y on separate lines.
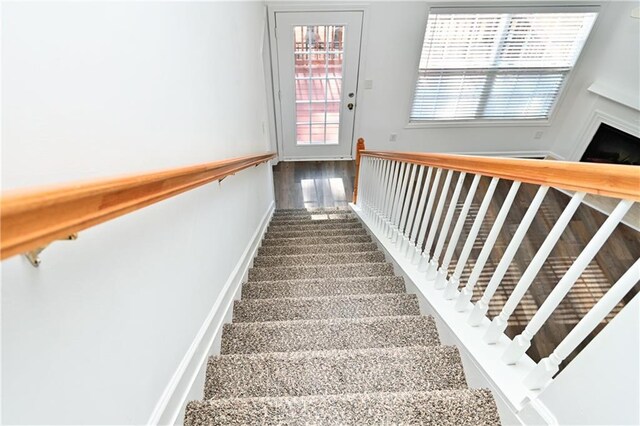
column 608, row 91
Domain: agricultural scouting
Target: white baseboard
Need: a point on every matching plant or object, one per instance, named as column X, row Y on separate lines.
column 171, row 404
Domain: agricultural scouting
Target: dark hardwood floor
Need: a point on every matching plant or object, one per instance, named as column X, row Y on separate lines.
column 330, row 184
column 313, row 184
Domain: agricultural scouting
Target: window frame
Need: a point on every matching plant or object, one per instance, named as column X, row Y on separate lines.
column 506, row 7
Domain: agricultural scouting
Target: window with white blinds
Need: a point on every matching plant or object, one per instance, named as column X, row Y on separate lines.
column 487, row 64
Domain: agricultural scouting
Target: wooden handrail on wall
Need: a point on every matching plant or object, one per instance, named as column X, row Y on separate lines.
column 34, row 218
column 610, row 180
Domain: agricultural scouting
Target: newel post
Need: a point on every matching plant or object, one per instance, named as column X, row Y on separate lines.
column 359, row 148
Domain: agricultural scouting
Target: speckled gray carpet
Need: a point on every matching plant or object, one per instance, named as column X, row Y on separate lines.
column 325, row 334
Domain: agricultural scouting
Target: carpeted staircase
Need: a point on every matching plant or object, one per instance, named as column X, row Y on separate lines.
column 325, row 334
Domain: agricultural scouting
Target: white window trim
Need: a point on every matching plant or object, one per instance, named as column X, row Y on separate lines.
column 524, row 5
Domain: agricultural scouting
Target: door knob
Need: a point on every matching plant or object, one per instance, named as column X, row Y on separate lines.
column 350, row 105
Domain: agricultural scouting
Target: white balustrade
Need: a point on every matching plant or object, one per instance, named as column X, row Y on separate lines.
column 378, row 190
column 418, row 238
column 395, row 168
column 409, row 202
column 375, row 188
column 444, row 231
column 499, row 323
column 482, row 306
column 443, row 271
column 522, row 342
column 363, row 183
column 420, row 197
column 395, row 201
column 452, row 285
column 406, row 202
column 549, row 366
column 402, row 204
column 426, row 254
column 386, row 179
column 467, row 292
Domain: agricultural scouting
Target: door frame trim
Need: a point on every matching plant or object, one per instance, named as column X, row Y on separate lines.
column 276, row 118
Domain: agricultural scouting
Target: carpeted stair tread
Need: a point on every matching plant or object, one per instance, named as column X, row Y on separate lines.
column 319, row 248
column 326, row 334
column 327, row 224
column 329, row 334
column 307, row 308
column 312, row 220
column 314, row 233
column 473, row 407
column 294, row 212
column 331, row 215
column 320, row 287
column 418, row 368
column 319, row 259
column 305, row 241
column 347, row 270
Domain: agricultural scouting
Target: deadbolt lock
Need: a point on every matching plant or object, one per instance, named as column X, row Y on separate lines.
column 350, row 105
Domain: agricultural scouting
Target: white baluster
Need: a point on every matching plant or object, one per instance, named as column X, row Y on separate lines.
column 522, row 342
column 395, row 169
column 362, row 183
column 412, row 209
column 426, row 253
column 394, row 200
column 384, row 194
column 548, row 367
column 499, row 323
column 465, row 295
column 405, row 205
column 444, row 231
column 422, row 219
column 452, row 285
column 443, row 271
column 481, row 307
column 400, row 204
column 373, row 187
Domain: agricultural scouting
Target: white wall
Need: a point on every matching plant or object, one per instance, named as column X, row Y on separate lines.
column 609, row 368
column 98, row 89
column 612, row 60
column 394, row 35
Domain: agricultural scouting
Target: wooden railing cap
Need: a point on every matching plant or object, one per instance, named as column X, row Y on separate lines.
column 612, row 180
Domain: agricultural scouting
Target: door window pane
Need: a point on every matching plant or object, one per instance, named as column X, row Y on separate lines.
column 318, row 58
column 331, row 135
column 333, row 88
column 303, row 133
column 317, row 134
column 333, row 112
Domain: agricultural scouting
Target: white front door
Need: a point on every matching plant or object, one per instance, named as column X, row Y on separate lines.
column 318, row 60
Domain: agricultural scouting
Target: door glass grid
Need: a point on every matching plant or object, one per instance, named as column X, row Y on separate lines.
column 318, row 57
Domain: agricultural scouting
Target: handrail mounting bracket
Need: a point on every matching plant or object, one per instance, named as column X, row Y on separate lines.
column 33, row 256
